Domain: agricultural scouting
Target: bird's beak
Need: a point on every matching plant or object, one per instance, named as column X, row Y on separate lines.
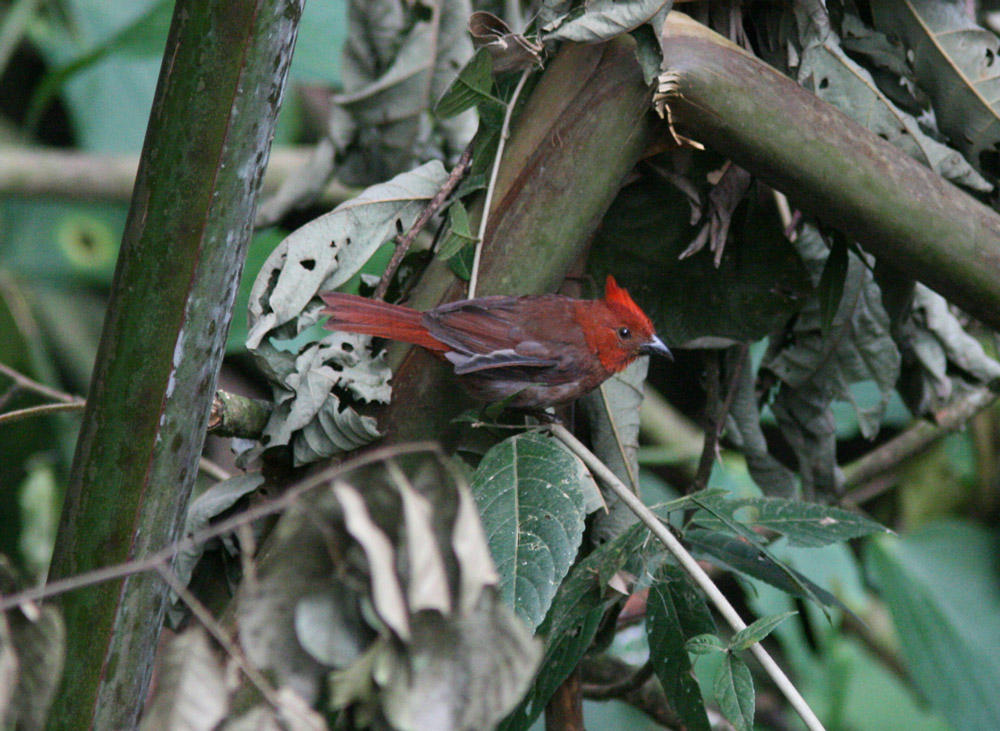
column 656, row 347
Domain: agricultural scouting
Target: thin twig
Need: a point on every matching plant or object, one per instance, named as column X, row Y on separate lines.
column 166, row 554
column 44, row 410
column 210, row 468
column 504, row 134
column 623, row 687
column 42, row 390
column 911, row 442
column 688, row 563
column 200, row 611
column 456, row 175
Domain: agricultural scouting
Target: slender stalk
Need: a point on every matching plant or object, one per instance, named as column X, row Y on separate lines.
column 689, row 564
column 22, row 381
column 44, row 410
column 456, row 175
column 166, row 554
column 491, row 188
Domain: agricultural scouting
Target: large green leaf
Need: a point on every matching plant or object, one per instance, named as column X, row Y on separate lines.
column 734, row 692
column 941, row 587
column 805, row 524
column 533, row 498
column 574, row 619
column 953, row 59
column 675, row 612
column 735, row 554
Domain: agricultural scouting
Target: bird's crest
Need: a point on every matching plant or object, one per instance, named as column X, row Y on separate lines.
column 620, row 299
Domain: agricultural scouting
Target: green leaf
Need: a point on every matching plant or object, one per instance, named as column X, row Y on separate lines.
column 674, row 612
column 472, row 85
column 604, row 19
column 459, row 235
column 573, row 620
column 940, row 586
column 737, row 555
column 757, row 631
column 734, row 692
column 704, row 644
column 532, row 496
column 952, row 59
column 831, row 283
column 805, row 524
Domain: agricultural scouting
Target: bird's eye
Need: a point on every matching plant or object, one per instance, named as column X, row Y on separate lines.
column 624, row 333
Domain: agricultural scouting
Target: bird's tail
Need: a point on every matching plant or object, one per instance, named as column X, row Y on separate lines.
column 350, row 313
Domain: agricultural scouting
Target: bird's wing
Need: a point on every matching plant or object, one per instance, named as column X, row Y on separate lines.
column 497, row 359
column 503, row 327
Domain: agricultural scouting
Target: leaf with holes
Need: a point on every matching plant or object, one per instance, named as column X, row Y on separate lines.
column 532, row 496
column 602, row 20
column 329, row 250
column 954, row 61
column 837, row 79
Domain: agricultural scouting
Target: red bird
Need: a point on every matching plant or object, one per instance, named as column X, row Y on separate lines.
column 532, row 351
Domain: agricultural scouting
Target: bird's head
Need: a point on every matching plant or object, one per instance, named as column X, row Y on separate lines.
column 624, row 331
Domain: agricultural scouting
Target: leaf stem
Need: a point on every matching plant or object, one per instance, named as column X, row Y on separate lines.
column 45, row 409
column 432, row 207
column 24, row 382
column 166, row 554
column 504, row 134
column 688, row 563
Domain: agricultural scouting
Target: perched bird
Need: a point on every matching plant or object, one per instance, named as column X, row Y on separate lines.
column 531, row 352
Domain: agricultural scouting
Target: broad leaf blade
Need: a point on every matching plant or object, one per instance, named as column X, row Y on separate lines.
column 941, row 589
column 757, row 631
column 953, row 59
column 573, row 621
column 676, row 612
column 472, row 85
column 734, row 692
column 532, row 499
